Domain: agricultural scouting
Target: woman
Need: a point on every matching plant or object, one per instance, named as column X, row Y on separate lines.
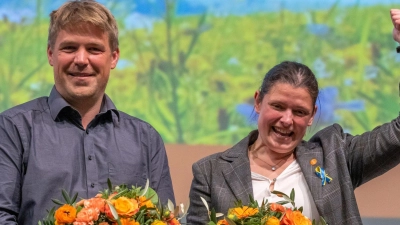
column 275, row 157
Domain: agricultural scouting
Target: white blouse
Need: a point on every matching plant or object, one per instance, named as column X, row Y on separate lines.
column 291, row 177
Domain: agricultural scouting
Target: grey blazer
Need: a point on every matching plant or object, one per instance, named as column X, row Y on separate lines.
column 225, row 177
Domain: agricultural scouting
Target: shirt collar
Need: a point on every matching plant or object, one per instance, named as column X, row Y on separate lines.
column 57, row 103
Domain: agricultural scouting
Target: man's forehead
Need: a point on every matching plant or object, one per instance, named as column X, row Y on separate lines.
column 83, row 28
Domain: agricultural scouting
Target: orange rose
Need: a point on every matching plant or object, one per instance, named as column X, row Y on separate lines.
column 288, row 218
column 98, row 203
column 125, row 206
column 272, row 221
column 295, row 218
column 243, row 212
column 300, row 219
column 65, row 214
column 87, row 215
column 128, row 221
column 222, row 222
column 277, row 207
column 144, row 201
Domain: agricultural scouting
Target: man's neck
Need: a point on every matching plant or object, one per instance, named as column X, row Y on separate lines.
column 87, row 109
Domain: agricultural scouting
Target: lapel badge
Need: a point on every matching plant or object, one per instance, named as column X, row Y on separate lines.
column 313, row 162
column 323, row 175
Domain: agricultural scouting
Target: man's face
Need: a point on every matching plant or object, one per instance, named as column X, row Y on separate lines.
column 82, row 59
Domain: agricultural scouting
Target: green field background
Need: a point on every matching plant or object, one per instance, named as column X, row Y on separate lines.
column 187, row 74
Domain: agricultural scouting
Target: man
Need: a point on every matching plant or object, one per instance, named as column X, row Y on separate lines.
column 76, row 139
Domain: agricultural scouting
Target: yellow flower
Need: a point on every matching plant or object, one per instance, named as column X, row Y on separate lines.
column 127, row 221
column 65, row 214
column 272, row 221
column 158, row 222
column 126, row 206
column 144, row 201
column 243, row 212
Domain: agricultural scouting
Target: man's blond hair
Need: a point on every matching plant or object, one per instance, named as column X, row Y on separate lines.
column 78, row 12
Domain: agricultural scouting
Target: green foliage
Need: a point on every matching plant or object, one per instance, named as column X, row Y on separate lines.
column 255, row 214
column 144, row 203
column 186, row 75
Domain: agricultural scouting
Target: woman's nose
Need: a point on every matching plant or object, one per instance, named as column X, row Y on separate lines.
column 287, row 118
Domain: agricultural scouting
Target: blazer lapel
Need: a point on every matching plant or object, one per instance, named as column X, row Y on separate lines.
column 236, row 170
column 304, row 154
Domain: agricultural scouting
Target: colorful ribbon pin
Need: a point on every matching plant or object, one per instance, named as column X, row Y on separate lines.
column 323, row 175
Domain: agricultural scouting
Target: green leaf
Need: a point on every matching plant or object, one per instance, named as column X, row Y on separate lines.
column 119, row 221
column 145, row 188
column 66, row 196
column 282, row 202
column 205, row 203
column 74, row 198
column 280, row 193
column 213, row 216
column 57, row 202
column 322, row 221
column 109, row 184
column 230, row 222
column 152, row 195
column 292, row 195
column 120, row 194
column 219, row 215
column 113, row 211
column 170, row 205
column 139, row 216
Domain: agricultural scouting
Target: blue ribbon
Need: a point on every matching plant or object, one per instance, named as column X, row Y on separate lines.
column 323, row 175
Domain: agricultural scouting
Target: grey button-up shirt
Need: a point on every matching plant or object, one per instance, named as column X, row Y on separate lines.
column 44, row 149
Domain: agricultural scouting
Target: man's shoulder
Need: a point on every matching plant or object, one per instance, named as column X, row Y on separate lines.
column 38, row 104
column 125, row 118
column 129, row 118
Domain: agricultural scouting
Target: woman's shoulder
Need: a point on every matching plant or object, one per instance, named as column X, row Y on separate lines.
column 328, row 132
column 237, row 151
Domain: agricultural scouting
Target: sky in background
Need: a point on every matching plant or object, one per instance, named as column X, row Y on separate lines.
column 16, row 10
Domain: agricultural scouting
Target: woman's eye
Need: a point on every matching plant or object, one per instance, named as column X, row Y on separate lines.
column 277, row 107
column 300, row 113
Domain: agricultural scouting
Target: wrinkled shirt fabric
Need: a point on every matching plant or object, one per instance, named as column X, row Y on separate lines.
column 44, row 149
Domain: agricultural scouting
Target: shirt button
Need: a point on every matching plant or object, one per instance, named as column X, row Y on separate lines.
column 90, row 157
column 92, row 185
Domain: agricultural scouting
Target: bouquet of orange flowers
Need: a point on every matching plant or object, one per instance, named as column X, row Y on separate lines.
column 119, row 206
column 266, row 214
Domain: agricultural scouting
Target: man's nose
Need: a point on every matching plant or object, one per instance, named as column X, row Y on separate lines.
column 81, row 57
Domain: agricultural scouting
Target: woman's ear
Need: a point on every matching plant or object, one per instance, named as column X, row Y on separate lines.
column 312, row 117
column 257, row 102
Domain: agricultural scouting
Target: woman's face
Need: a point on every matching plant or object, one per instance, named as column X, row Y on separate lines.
column 284, row 114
